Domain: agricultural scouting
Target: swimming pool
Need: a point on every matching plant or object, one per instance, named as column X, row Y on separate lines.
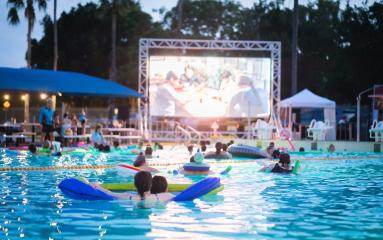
column 339, row 199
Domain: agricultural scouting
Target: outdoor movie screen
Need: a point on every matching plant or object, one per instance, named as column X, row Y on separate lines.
column 190, row 86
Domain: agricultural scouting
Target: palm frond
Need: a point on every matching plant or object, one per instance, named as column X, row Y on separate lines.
column 13, row 17
column 18, row 4
column 42, row 4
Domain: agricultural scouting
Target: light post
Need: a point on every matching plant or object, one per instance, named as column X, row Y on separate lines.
column 358, row 98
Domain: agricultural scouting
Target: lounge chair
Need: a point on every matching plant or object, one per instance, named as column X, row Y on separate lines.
column 262, row 130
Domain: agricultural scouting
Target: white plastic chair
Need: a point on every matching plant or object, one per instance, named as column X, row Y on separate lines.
column 262, row 130
column 376, row 131
column 318, row 130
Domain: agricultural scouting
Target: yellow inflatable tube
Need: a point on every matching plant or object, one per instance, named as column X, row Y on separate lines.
column 172, row 187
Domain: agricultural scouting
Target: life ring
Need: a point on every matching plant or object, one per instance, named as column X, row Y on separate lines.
column 196, row 167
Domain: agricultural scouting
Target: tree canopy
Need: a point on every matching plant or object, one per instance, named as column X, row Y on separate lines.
column 339, row 49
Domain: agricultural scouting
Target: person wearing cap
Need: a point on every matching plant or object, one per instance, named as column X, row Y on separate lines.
column 46, row 119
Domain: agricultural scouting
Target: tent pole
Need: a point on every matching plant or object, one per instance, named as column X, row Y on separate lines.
column 26, row 108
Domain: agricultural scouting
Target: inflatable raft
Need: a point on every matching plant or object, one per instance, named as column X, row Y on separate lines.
column 246, row 151
column 76, row 188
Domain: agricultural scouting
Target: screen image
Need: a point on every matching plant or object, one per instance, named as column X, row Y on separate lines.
column 190, row 86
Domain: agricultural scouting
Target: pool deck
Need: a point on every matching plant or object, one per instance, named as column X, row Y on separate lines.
column 308, row 145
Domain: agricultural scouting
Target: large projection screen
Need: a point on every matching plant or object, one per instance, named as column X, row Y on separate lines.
column 200, row 86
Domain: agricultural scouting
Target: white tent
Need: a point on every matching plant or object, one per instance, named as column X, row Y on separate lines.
column 307, row 99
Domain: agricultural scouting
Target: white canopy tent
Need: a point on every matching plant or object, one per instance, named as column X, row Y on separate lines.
column 307, row 99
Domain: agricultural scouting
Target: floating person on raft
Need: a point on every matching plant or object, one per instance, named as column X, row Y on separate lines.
column 145, row 186
column 283, row 166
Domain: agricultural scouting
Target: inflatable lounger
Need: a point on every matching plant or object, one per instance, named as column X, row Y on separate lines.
column 246, row 151
column 77, row 189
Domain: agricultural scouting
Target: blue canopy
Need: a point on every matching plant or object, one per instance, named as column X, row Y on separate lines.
column 37, row 80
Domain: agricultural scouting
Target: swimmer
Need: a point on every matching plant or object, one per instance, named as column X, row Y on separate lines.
column 141, row 163
column 143, row 182
column 301, row 149
column 148, row 152
column 218, row 152
column 331, row 148
column 283, row 166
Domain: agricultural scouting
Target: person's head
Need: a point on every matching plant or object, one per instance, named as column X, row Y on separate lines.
column 218, row 147
column 276, row 153
column 98, row 128
column 224, row 147
column 230, row 142
column 331, row 148
column 284, row 159
column 65, row 115
column 189, row 72
column 192, row 159
column 116, row 144
column 159, row 185
column 143, row 183
column 272, row 144
column 190, row 149
column 148, row 151
column 140, row 161
column 32, row 148
column 49, row 102
column 270, row 150
column 301, row 149
column 203, row 148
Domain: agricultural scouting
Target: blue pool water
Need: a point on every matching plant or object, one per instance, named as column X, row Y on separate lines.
column 334, row 199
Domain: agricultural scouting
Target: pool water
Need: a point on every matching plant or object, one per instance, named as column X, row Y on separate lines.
column 334, row 199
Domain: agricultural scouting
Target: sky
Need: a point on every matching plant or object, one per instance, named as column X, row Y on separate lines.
column 13, row 39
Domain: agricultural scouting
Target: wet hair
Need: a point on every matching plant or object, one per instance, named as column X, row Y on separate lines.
column 203, row 148
column 159, row 185
column 98, row 127
column 276, row 153
column 301, row 149
column 192, row 159
column 284, row 159
column 32, row 148
column 218, row 147
column 116, row 144
column 148, row 151
column 230, row 142
column 224, row 147
column 143, row 182
column 272, row 144
column 140, row 160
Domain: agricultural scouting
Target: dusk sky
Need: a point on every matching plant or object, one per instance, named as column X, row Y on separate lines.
column 13, row 41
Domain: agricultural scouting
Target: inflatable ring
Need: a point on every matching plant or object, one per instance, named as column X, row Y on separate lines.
column 196, row 167
column 246, row 151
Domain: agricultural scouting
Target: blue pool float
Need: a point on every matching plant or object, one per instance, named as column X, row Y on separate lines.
column 77, row 189
column 239, row 150
column 196, row 167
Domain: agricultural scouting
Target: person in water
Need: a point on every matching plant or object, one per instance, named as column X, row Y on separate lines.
column 218, row 152
column 283, row 166
column 143, row 182
column 142, row 164
column 148, row 152
column 98, row 140
column 159, row 185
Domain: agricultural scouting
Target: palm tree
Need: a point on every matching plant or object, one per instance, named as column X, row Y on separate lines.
column 55, row 44
column 30, row 15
